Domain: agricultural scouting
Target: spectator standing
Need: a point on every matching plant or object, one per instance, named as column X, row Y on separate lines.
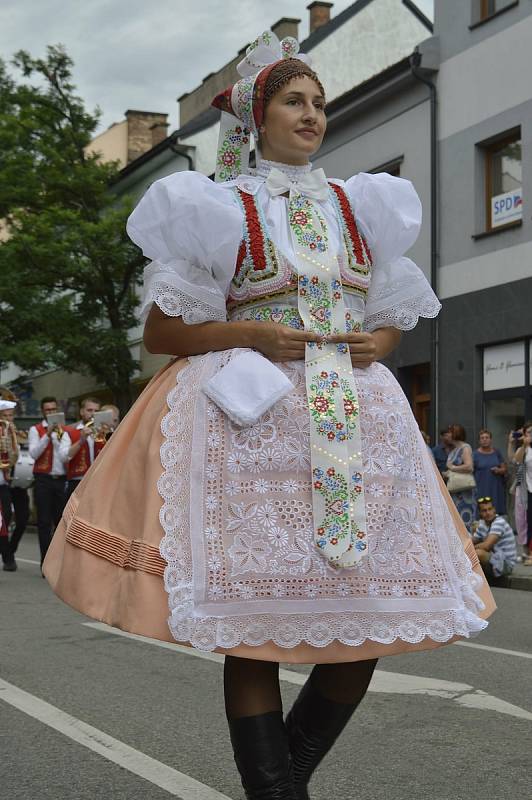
column 494, row 541
column 17, row 498
column 77, row 444
column 441, row 450
column 517, row 489
column 49, row 488
column 490, row 471
column 460, row 461
column 523, row 458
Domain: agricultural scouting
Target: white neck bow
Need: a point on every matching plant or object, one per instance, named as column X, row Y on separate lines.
column 310, row 184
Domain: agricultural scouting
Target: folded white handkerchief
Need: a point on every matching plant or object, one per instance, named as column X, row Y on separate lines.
column 247, row 387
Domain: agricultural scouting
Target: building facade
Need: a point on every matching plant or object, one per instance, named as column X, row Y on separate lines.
column 485, row 254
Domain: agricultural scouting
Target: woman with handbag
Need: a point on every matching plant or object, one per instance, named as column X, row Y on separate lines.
column 460, row 480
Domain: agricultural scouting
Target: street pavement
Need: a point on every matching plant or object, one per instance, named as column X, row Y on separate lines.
column 88, row 712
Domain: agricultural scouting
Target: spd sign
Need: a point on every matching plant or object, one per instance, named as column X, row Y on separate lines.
column 506, row 207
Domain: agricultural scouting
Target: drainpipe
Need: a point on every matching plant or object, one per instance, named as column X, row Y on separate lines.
column 421, row 75
column 179, row 150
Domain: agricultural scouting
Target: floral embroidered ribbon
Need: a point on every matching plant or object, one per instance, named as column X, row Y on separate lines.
column 336, row 452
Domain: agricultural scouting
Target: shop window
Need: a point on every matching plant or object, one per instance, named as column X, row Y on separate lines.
column 502, row 415
column 503, row 182
column 485, row 9
column 507, row 390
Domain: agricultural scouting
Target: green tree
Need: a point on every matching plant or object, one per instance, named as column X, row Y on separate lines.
column 68, row 271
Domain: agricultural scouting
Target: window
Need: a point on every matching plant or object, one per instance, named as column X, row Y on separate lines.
column 507, row 388
column 391, row 167
column 489, row 8
column 503, row 171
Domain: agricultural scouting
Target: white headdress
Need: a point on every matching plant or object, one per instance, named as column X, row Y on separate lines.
column 242, row 104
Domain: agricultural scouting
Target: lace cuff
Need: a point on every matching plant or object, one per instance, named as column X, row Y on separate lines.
column 175, row 303
column 182, row 289
column 405, row 315
column 398, row 295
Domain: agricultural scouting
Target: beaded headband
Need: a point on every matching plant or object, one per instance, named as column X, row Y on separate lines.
column 242, row 105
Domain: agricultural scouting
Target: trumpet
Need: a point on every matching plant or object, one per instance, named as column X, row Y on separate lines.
column 8, row 447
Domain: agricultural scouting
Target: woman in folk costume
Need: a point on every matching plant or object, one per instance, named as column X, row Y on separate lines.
column 273, row 479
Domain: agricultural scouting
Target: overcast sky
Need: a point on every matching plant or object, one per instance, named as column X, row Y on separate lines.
column 143, row 55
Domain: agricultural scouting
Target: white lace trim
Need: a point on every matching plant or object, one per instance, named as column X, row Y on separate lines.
column 318, row 630
column 175, row 303
column 264, row 167
column 405, row 315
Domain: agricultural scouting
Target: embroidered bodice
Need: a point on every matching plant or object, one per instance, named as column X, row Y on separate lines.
column 217, row 249
column 264, row 274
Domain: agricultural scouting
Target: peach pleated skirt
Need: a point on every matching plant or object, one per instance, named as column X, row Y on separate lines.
column 105, row 557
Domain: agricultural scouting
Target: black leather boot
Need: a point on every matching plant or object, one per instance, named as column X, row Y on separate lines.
column 262, row 756
column 313, row 724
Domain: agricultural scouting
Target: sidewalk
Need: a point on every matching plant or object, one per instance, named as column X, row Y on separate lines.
column 521, row 577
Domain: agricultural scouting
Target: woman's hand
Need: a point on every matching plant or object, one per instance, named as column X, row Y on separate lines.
column 362, row 347
column 282, row 343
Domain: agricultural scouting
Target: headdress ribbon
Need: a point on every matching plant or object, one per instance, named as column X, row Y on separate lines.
column 241, row 105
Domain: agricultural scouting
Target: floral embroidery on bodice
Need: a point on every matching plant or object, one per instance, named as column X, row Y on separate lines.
column 264, row 273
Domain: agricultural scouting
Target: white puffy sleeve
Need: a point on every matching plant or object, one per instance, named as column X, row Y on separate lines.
column 388, row 210
column 191, row 229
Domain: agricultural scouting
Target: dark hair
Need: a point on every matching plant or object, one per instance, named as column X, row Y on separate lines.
column 48, row 399
column 485, row 430
column 444, row 431
column 86, row 400
column 284, row 72
column 457, row 432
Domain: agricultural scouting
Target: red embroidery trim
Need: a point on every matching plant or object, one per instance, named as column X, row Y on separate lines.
column 256, row 237
column 242, row 251
column 360, row 247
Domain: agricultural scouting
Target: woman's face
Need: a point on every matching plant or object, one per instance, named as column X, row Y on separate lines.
column 484, row 440
column 294, row 123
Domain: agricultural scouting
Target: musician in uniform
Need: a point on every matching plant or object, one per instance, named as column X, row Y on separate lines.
column 15, row 488
column 8, row 458
column 78, row 445
column 44, row 442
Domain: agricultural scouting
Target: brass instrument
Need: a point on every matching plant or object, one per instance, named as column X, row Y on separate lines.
column 8, row 447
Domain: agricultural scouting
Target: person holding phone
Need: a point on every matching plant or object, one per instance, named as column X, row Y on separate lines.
column 77, row 444
column 44, row 440
column 523, row 459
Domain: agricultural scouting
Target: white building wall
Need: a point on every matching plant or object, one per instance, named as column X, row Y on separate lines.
column 381, row 34
column 206, row 143
column 487, row 79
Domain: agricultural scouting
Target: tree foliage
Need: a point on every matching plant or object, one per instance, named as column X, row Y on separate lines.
column 68, row 270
